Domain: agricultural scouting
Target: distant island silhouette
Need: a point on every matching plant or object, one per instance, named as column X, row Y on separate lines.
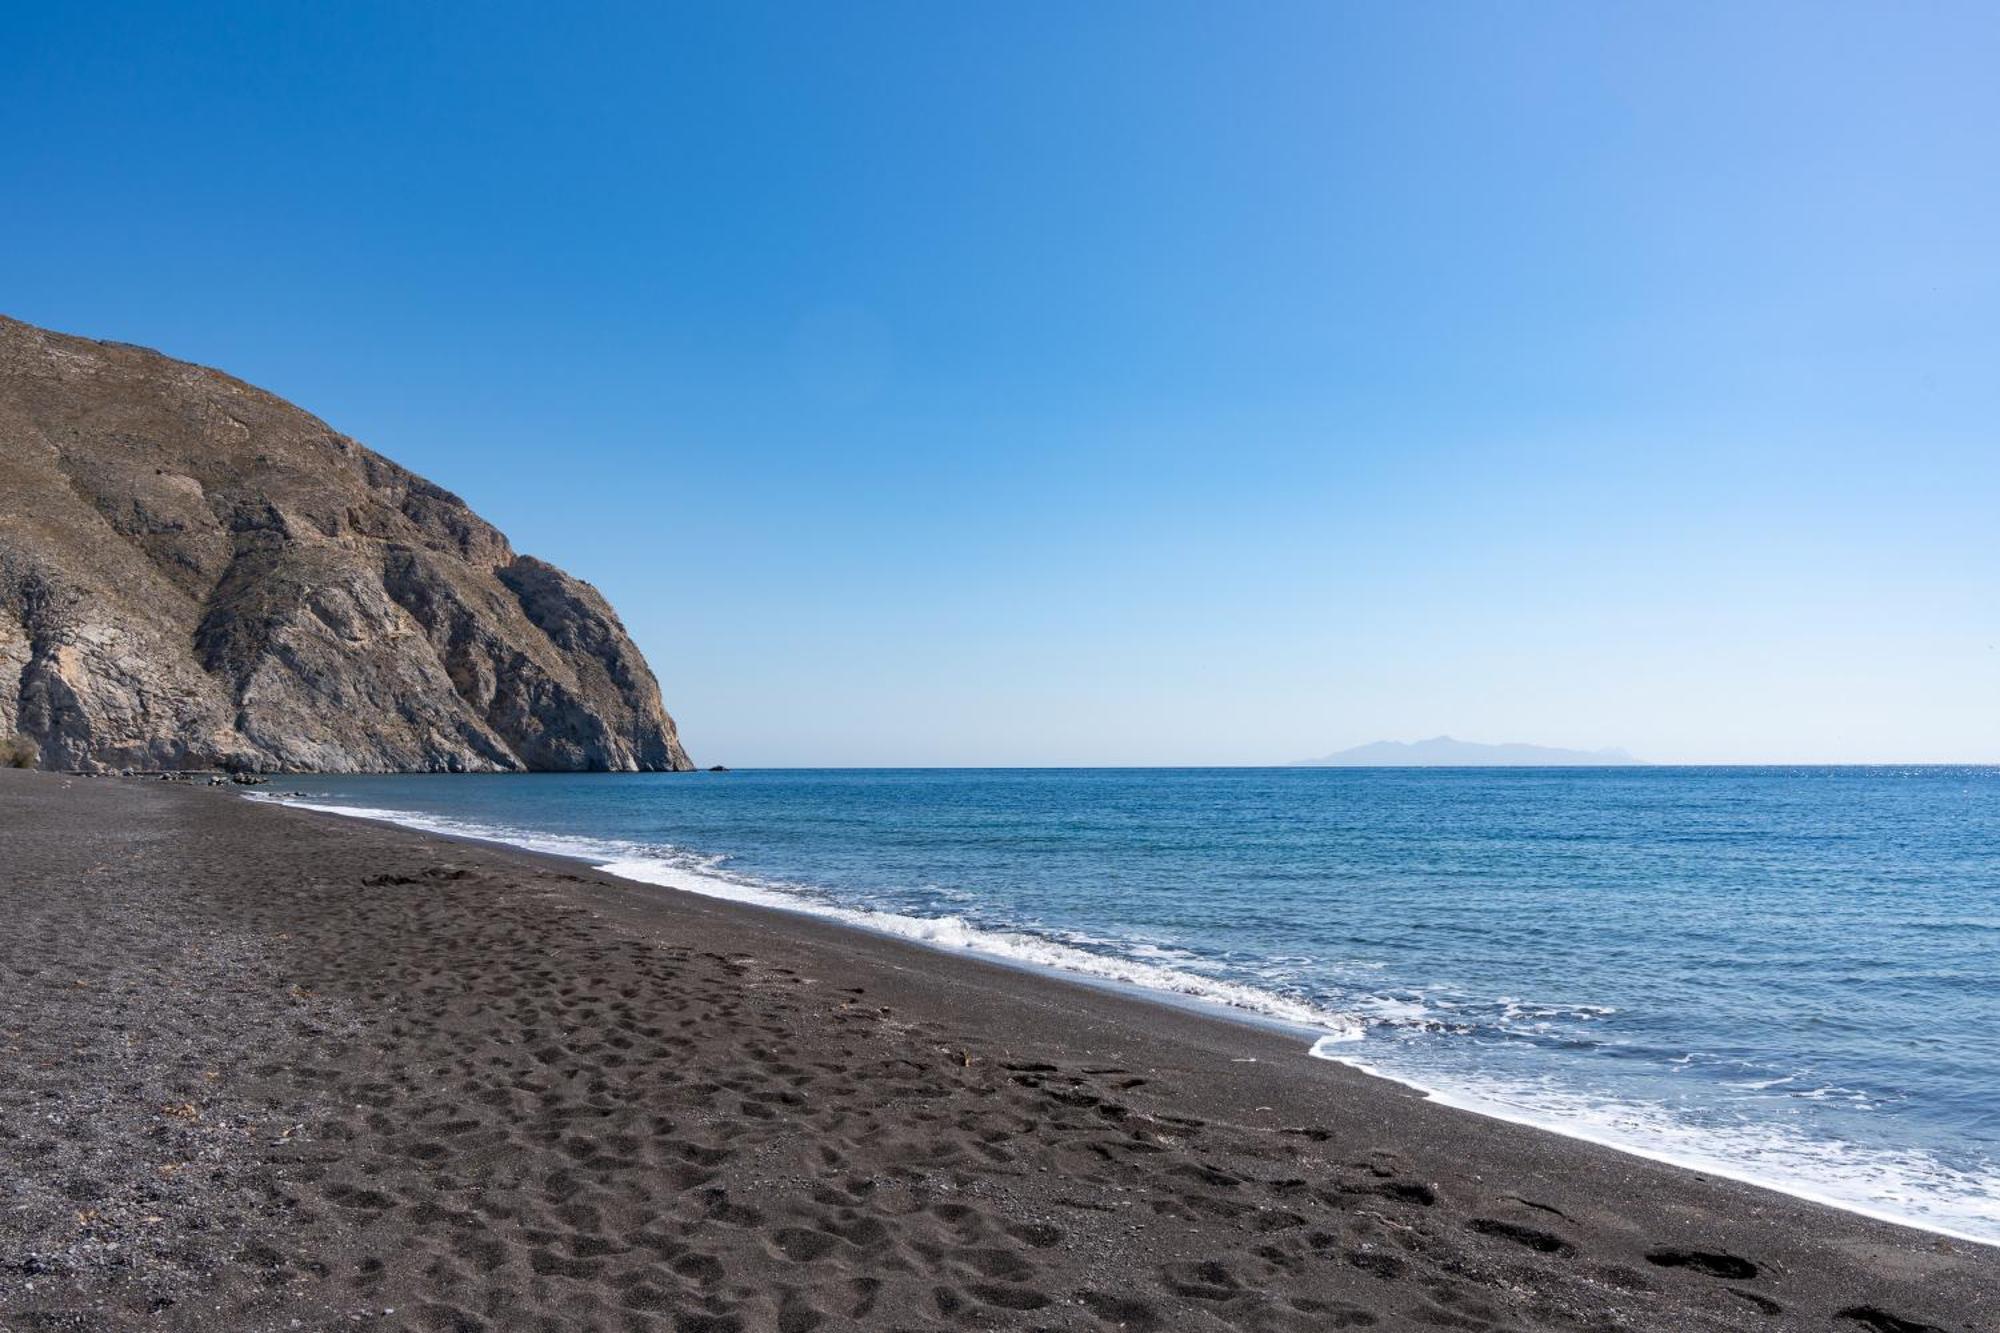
column 1446, row 752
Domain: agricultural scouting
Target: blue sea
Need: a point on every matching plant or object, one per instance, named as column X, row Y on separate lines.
column 1784, row 975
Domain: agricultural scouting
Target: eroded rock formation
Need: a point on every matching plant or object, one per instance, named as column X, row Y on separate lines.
column 196, row 573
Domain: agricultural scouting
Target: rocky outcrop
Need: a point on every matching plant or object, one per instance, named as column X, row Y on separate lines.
column 195, row 573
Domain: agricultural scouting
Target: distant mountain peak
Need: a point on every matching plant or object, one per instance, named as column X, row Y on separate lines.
column 1448, row 752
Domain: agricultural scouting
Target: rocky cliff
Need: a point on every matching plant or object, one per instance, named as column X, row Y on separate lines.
column 195, row 573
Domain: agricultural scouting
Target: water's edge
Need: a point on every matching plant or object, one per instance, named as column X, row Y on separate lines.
column 1326, row 1035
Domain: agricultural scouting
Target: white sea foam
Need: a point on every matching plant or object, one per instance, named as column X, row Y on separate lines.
column 1907, row 1187
column 690, row 873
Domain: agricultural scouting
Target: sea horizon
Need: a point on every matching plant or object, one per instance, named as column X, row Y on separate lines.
column 289, row 774
column 564, row 513
column 1497, row 976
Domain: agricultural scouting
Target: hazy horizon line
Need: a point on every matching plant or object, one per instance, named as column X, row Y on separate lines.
column 1169, row 768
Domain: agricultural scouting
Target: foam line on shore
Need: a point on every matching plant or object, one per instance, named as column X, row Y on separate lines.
column 1813, row 1171
column 690, row 873
column 1820, row 1172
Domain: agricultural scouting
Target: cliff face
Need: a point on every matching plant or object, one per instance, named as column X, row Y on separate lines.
column 195, row 573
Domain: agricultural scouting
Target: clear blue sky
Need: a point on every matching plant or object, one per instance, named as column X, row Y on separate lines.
column 1150, row 383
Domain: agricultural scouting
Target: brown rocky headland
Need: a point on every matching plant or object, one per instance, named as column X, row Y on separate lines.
column 195, row 573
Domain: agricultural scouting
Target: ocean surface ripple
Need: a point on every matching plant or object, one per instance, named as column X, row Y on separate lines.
column 1783, row 975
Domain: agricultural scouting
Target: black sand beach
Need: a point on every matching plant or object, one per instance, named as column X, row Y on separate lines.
column 268, row 1069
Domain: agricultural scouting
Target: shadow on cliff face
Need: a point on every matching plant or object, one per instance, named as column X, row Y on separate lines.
column 195, row 573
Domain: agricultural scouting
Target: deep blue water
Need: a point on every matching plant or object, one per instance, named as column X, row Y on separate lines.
column 1791, row 975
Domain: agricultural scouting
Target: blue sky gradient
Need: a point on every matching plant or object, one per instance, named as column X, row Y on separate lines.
column 1120, row 383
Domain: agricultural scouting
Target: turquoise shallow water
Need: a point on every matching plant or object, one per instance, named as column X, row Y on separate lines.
column 1790, row 975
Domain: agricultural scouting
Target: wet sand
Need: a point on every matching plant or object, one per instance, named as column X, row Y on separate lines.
column 271, row 1069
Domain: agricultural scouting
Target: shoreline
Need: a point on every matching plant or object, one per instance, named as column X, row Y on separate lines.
column 1313, row 1038
column 684, row 1109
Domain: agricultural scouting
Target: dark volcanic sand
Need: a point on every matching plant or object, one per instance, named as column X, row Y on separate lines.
column 266, row 1069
